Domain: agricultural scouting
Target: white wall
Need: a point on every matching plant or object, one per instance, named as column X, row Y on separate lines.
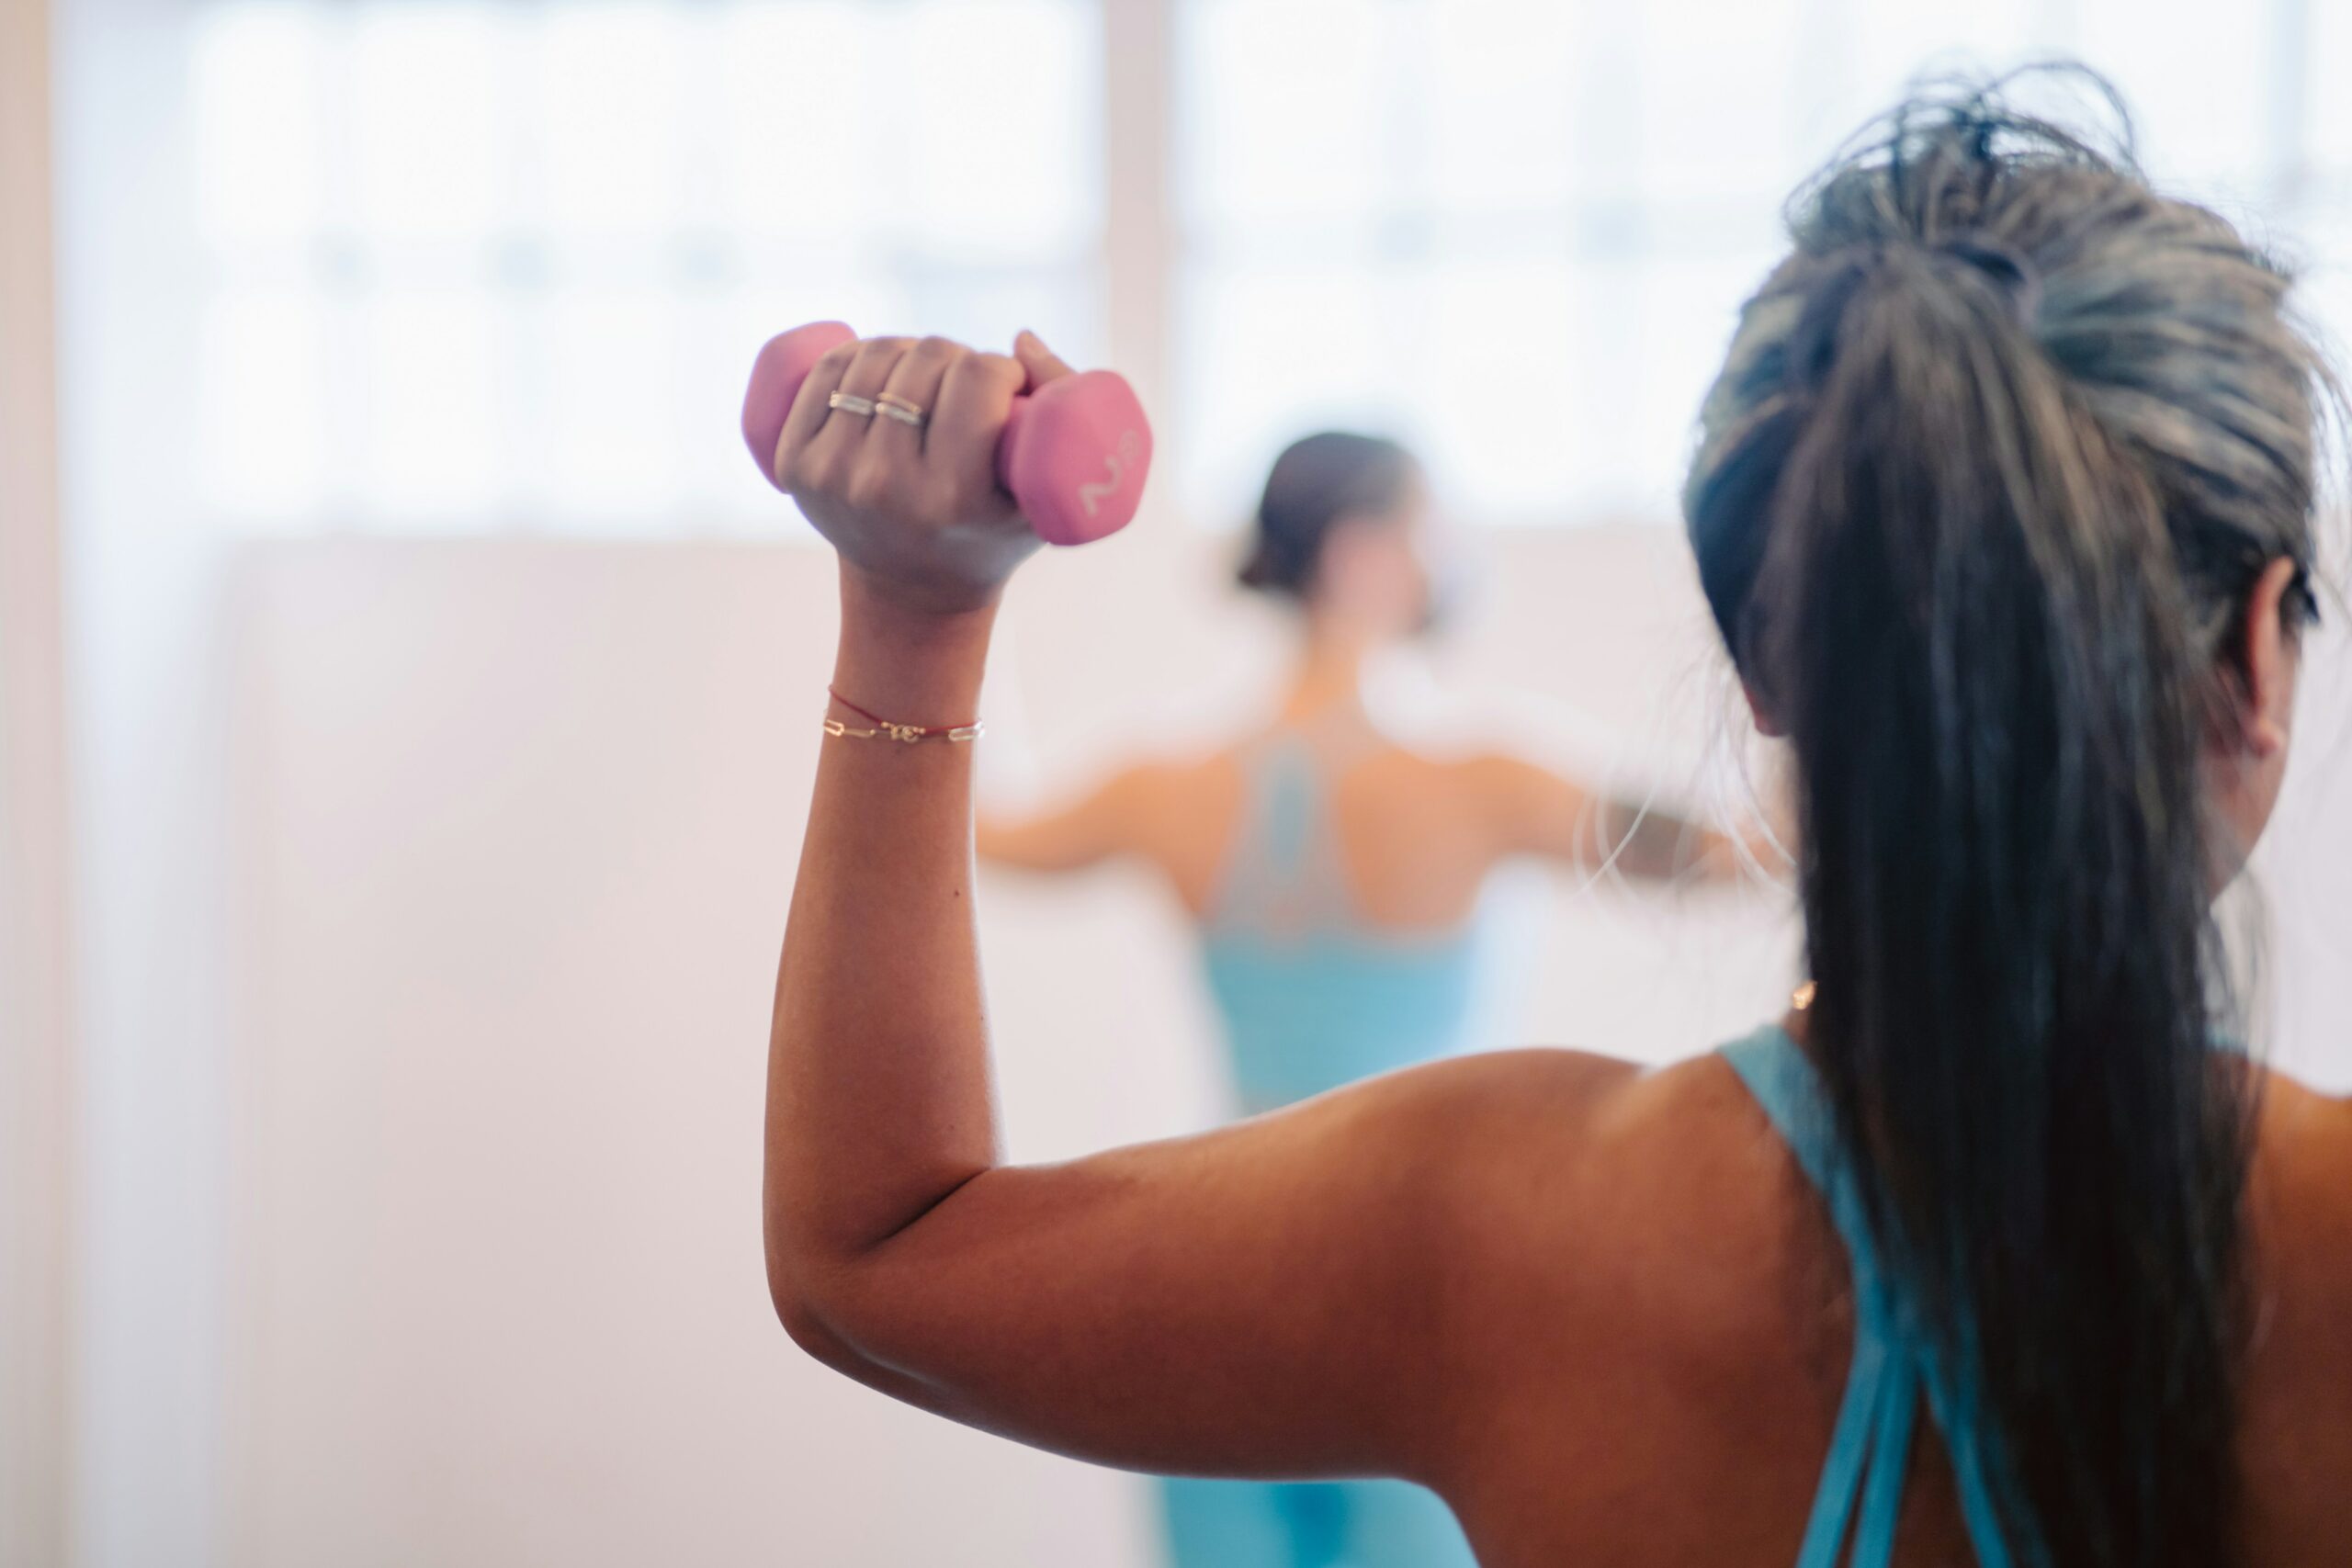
column 516, row 833
column 514, row 828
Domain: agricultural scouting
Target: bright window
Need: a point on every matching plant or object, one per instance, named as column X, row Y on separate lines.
column 486, row 265
column 480, row 266
column 1517, row 232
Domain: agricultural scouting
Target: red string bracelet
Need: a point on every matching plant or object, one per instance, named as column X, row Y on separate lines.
column 887, row 729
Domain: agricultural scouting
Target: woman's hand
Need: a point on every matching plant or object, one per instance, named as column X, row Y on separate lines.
column 915, row 510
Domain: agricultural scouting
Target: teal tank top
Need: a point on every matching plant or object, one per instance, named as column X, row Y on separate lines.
column 1896, row 1367
column 1310, row 997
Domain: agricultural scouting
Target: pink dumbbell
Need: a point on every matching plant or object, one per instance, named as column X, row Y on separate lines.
column 1073, row 455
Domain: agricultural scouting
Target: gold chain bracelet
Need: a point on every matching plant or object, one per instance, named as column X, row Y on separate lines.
column 887, row 729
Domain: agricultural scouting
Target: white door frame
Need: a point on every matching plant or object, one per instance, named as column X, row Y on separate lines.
column 35, row 988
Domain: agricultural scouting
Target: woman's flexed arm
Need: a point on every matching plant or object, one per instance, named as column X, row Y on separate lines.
column 1280, row 1297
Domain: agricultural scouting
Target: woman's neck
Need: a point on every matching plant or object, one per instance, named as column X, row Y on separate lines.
column 1329, row 676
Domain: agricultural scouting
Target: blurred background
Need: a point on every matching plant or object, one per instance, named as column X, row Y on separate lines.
column 408, row 687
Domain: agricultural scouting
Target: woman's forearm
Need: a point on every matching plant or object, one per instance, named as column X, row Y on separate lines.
column 879, row 1102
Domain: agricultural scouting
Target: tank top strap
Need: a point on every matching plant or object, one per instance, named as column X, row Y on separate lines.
column 1894, row 1367
column 1282, row 871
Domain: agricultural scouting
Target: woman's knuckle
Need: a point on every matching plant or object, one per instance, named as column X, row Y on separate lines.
column 825, row 466
column 937, row 502
column 869, row 487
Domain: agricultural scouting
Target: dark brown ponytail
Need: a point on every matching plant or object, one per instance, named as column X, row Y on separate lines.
column 1999, row 452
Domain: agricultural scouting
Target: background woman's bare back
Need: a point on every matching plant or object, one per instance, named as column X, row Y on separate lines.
column 1418, row 835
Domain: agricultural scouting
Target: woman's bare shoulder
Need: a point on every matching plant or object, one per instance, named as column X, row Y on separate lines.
column 1614, row 1214
column 1176, row 782
column 1179, row 813
column 1588, row 1159
column 1562, row 1109
column 2297, row 1394
column 2302, row 1180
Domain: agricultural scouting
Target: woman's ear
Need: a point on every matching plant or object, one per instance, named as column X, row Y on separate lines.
column 1768, row 724
column 2266, row 662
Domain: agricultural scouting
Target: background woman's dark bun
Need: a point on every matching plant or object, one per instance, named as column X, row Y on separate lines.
column 1319, row 481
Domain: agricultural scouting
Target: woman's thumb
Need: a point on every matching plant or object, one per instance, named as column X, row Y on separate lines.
column 1042, row 362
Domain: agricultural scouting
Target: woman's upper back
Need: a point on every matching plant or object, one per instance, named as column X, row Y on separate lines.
column 1411, row 837
column 1665, row 1329
column 1312, row 993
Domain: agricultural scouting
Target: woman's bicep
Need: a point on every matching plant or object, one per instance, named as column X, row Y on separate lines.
column 1285, row 1297
column 1170, row 1307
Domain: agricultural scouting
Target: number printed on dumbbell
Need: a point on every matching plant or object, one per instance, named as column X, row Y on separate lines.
column 1114, row 464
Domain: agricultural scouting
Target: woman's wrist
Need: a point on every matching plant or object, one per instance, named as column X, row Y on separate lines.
column 911, row 664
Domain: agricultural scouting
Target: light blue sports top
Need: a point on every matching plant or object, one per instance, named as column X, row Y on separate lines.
column 1310, row 996
column 1896, row 1361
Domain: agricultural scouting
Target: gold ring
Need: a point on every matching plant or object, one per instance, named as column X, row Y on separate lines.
column 892, row 406
column 850, row 403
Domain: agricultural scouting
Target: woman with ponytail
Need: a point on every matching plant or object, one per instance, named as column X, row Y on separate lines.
column 1993, row 1250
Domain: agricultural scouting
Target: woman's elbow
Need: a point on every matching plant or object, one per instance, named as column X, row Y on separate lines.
column 816, row 1322
column 795, row 1291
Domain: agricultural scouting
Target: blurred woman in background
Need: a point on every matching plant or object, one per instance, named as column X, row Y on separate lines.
column 1336, row 877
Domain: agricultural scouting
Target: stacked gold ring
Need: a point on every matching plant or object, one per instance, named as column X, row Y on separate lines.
column 892, row 406
column 849, row 402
